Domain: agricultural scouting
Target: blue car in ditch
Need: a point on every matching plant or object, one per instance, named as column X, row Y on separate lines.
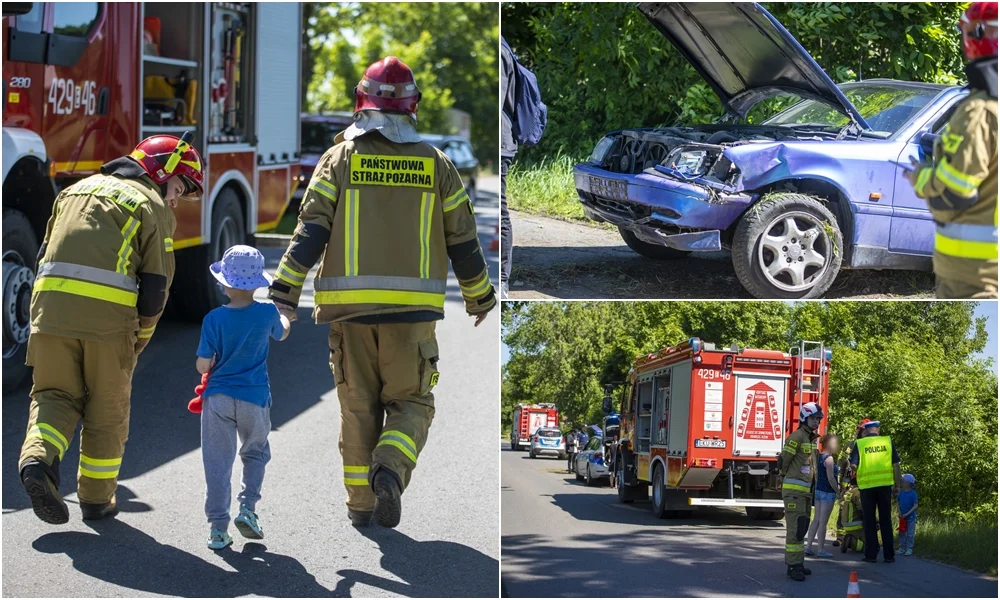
column 813, row 189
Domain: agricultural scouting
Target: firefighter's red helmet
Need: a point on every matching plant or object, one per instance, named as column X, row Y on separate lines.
column 978, row 25
column 166, row 156
column 387, row 85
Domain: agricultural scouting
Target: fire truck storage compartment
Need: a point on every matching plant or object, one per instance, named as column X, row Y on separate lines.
column 680, row 409
column 645, row 409
column 172, row 43
column 230, row 89
column 760, row 414
column 277, row 117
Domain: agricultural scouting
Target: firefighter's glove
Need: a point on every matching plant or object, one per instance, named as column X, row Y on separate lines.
column 195, row 404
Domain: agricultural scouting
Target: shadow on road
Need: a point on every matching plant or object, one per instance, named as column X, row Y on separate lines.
column 427, row 569
column 122, row 555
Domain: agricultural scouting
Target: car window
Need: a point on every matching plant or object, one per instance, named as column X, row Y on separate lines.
column 594, row 443
column 549, row 433
column 317, row 138
column 886, row 107
column 30, row 22
column 74, row 18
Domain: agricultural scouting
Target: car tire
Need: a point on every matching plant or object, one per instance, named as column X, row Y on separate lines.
column 20, row 250
column 786, row 216
column 195, row 291
column 650, row 250
column 590, row 477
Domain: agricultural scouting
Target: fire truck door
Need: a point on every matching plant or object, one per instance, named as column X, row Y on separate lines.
column 760, row 415
column 77, row 90
column 24, row 70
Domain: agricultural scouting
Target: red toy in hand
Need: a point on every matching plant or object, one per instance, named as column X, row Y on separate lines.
column 902, row 525
column 195, row 404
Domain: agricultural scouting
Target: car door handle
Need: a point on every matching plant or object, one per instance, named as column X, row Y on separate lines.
column 103, row 100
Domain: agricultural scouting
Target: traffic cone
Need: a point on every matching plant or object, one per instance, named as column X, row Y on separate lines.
column 495, row 244
column 853, row 591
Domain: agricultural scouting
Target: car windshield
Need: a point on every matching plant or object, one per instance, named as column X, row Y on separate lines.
column 317, row 138
column 885, row 106
column 549, row 433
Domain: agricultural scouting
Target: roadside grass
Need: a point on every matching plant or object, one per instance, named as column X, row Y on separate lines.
column 545, row 188
column 967, row 544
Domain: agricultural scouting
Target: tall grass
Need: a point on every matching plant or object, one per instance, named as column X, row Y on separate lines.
column 545, row 188
column 967, row 544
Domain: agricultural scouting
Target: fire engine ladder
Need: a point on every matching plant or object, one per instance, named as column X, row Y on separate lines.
column 814, row 354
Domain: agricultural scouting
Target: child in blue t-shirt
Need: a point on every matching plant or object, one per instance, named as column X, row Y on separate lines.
column 237, row 399
column 907, row 500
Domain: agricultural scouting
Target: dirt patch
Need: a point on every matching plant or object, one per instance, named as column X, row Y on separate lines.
column 561, row 259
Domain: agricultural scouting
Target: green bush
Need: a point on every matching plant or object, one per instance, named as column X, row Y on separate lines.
column 603, row 66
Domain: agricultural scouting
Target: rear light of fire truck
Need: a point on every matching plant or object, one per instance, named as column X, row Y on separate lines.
column 706, row 462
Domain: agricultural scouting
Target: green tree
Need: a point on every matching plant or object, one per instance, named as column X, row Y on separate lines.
column 451, row 47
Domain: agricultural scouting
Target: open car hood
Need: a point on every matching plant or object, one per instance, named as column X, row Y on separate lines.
column 745, row 54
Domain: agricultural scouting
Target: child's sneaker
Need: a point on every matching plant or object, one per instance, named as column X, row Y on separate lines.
column 217, row 540
column 247, row 524
column 908, row 553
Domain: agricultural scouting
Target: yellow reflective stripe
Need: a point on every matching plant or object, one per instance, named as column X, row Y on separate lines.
column 100, row 462
column 51, row 435
column 146, row 332
column 128, row 231
column 453, row 201
column 350, row 481
column 356, row 474
column 168, row 244
column 289, row 275
column 380, row 297
column 795, row 547
column 477, row 289
column 923, row 177
column 356, row 469
column 401, row 441
column 86, row 289
column 324, row 188
column 426, row 214
column 960, row 183
column 351, row 234
column 796, row 487
column 965, row 248
column 100, row 468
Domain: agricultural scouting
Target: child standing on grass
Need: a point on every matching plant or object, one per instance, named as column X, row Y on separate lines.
column 233, row 349
column 908, row 511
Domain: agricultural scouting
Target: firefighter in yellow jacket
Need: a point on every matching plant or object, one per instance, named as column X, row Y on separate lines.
column 797, row 466
column 386, row 212
column 104, row 269
column 960, row 184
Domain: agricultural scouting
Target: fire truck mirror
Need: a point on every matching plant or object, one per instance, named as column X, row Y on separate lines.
column 606, row 404
column 14, row 9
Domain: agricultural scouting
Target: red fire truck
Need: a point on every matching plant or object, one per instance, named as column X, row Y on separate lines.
column 84, row 82
column 704, row 426
column 527, row 419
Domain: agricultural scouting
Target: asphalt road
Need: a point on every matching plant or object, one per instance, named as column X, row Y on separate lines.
column 446, row 545
column 562, row 538
column 576, row 260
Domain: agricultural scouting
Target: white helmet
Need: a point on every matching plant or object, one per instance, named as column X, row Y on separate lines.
column 810, row 409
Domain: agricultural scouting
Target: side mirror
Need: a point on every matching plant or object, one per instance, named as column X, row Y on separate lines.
column 14, row 9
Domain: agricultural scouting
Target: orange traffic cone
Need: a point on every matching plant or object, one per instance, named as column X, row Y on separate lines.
column 495, row 244
column 853, row 591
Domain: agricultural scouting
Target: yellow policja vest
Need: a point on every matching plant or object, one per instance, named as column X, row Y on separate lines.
column 875, row 462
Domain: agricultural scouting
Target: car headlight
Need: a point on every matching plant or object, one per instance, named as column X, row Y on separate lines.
column 690, row 162
column 597, row 156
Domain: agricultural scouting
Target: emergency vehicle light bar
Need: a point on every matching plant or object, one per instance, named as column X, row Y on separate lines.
column 777, row 503
column 770, row 361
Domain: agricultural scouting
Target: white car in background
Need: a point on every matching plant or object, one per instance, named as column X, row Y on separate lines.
column 547, row 440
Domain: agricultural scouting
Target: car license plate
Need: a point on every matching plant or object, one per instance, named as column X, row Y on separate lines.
column 710, row 443
column 608, row 188
column 549, row 442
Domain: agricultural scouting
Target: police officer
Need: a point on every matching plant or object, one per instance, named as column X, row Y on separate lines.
column 876, row 465
column 104, row 269
column 797, row 466
column 960, row 184
column 386, row 212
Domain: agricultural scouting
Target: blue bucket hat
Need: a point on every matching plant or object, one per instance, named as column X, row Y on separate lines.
column 241, row 268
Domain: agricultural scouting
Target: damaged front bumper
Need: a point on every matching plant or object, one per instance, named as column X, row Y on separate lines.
column 660, row 210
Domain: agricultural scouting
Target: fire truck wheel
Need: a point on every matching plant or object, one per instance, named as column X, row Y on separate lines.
column 195, row 291
column 659, row 494
column 20, row 249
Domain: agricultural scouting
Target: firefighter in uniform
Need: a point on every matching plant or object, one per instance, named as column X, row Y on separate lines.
column 960, row 184
column 104, row 268
column 850, row 525
column 386, row 212
column 797, row 466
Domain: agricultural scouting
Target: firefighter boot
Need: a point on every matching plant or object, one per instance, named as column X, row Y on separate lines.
column 38, row 481
column 360, row 518
column 388, row 492
column 94, row 512
column 796, row 573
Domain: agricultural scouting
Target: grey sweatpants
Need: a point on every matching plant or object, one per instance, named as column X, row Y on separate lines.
column 222, row 418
